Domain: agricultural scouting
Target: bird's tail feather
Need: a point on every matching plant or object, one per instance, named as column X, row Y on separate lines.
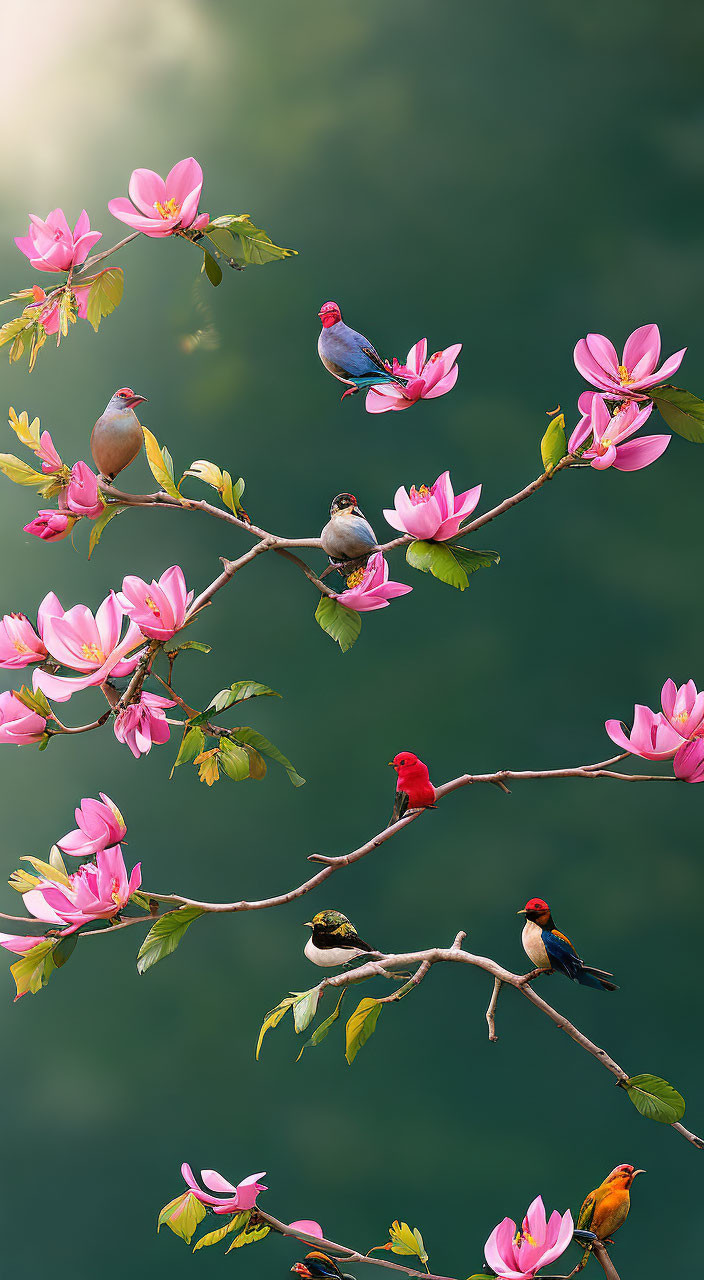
column 591, row 977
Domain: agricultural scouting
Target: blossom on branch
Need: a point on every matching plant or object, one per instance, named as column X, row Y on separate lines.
column 19, row 642
column 158, row 608
column 51, row 245
column 99, row 824
column 518, row 1254
column 230, row 1199
column 143, row 723
column 433, row 513
column 159, row 207
column 676, row 731
column 51, row 525
column 369, row 588
column 82, row 495
column 90, row 645
column 97, row 891
column 606, row 435
column 19, row 725
column 425, row 379
column 597, row 360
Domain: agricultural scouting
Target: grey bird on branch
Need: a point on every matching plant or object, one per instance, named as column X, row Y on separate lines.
column 348, row 535
column 117, row 436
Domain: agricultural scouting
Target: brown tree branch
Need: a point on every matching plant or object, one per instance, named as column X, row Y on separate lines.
column 342, row 1251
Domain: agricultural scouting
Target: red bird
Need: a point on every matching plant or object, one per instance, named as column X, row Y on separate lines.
column 414, row 790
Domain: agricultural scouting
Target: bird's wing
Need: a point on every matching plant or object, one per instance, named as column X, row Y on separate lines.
column 400, row 806
column 374, row 357
column 561, row 953
column 345, row 935
column 586, row 1213
column 324, row 1265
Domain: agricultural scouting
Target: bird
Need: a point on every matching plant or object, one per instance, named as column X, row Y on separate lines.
column 414, row 790
column 333, row 941
column 117, row 436
column 550, row 950
column 606, row 1208
column 348, row 355
column 318, row 1266
column 348, row 535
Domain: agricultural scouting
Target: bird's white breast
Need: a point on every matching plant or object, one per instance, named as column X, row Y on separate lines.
column 330, row 957
column 534, row 946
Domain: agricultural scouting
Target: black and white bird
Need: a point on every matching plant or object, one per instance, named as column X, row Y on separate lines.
column 333, row 940
column 348, row 535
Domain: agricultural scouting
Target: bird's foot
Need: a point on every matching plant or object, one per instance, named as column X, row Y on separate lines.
column 531, row 977
column 351, row 391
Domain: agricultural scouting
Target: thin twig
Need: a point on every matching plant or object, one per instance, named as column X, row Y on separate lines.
column 349, row 1255
column 491, row 1011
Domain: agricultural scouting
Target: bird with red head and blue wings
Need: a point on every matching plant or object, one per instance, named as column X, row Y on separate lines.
column 550, row 950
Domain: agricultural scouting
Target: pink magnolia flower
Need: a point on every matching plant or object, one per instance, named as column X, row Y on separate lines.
column 143, row 723
column 97, row 891
column 90, row 645
column 432, row 513
column 19, row 642
column 53, row 246
column 158, row 608
column 427, row 379
column 369, row 588
column 597, row 360
column 82, row 495
column 47, row 453
column 19, row 727
column 688, row 764
column 50, row 525
column 48, row 309
column 163, row 206
column 517, row 1255
column 606, row 434
column 683, row 708
column 658, row 735
column 230, row 1199
column 99, row 824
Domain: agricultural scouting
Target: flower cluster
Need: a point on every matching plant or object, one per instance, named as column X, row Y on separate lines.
column 675, row 733
column 95, row 647
column 518, row 1254
column 425, row 379
column 215, row 1194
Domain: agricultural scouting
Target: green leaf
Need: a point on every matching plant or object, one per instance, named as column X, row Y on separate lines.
column 236, row 1223
column 273, row 1019
column 234, row 760
column 213, row 270
column 256, row 247
column 343, row 624
column 305, row 1009
column 361, row 1026
column 240, row 691
column 33, row 970
column 250, row 1235
column 182, row 1215
column 553, row 445
column 106, row 515
column 192, row 743
column 160, row 465
column 105, row 295
column 655, row 1098
column 260, row 743
column 28, row 433
column 447, row 562
column 20, row 472
column 164, row 936
column 64, row 949
column 407, row 1242
column 192, row 644
column 232, row 493
column 683, row 412
column 34, row 699
column 320, row 1032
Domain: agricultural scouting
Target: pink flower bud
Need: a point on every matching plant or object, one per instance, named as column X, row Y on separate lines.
column 82, row 495
column 51, row 526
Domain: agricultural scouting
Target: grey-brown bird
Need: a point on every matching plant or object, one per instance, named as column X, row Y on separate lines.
column 117, row 435
column 348, row 535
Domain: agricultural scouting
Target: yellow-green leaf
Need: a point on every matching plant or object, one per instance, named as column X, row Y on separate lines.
column 27, row 432
column 106, row 515
column 48, row 870
column 20, row 472
column 250, row 1235
column 361, row 1026
column 105, row 295
column 553, row 445
column 237, row 1223
column 33, row 970
column 160, row 465
column 182, row 1215
column 164, row 936
column 320, row 1032
column 273, row 1019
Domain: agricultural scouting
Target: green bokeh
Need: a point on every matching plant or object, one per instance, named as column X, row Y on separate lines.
column 503, row 174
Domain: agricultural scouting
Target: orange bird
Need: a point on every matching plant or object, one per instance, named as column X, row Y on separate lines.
column 606, row 1208
column 414, row 790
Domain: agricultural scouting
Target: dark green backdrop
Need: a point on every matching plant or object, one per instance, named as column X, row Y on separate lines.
column 506, row 175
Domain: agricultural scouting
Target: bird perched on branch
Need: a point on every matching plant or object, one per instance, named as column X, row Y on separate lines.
column 334, row 940
column 117, row 435
column 606, row 1208
column 347, row 535
column 348, row 355
column 318, row 1266
column 550, row 950
column 414, row 790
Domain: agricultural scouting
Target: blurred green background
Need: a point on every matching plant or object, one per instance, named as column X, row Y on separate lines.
column 504, row 175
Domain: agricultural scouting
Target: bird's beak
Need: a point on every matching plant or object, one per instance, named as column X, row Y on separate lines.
column 522, row 912
column 391, row 764
column 136, row 399
column 307, row 924
column 637, row 1171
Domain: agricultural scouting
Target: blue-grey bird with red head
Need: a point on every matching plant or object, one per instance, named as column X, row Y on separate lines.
column 552, row 951
column 348, row 355
column 117, row 435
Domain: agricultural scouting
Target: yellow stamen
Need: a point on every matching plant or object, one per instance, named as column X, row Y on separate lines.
column 421, row 494
column 115, row 895
column 93, row 653
column 624, row 375
column 168, row 209
column 21, row 647
column 355, row 578
column 681, row 718
column 151, row 604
